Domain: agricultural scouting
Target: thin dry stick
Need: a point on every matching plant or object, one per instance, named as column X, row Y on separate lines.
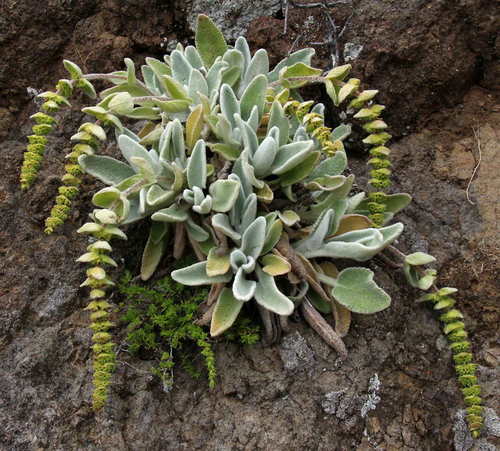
column 478, row 141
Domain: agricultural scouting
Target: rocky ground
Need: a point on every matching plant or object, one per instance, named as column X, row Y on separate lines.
column 434, row 62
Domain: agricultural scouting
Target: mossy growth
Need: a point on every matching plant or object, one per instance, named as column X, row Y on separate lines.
column 159, row 321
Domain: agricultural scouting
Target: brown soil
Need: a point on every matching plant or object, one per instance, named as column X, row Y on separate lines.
column 434, row 63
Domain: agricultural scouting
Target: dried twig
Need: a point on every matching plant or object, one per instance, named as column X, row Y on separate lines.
column 478, row 141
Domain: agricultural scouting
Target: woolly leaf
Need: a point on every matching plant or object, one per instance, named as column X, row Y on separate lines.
column 197, row 275
column 331, row 166
column 275, row 265
column 197, row 166
column 225, row 312
column 154, row 249
column 254, row 95
column 224, row 194
column 269, row 296
column 221, row 223
column 174, row 213
column 274, row 228
column 243, row 289
column 217, row 264
column 290, row 155
column 194, row 125
column 210, row 42
column 419, row 258
column 301, row 56
column 356, row 290
column 106, row 169
column 252, row 240
column 298, row 70
column 301, row 171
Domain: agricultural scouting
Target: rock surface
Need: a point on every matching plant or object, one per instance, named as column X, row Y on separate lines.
column 433, row 61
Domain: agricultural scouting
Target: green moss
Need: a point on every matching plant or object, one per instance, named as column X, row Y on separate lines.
column 159, row 321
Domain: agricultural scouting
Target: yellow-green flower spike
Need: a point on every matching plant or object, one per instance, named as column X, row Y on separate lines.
column 454, row 329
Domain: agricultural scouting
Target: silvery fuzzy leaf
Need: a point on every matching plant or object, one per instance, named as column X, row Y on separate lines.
column 243, row 289
column 254, row 119
column 325, row 183
column 288, row 75
column 319, row 108
column 196, row 232
column 274, row 133
column 359, row 245
column 133, row 90
column 193, row 57
column 175, row 89
column 131, row 78
column 300, row 56
column 221, row 223
column 134, row 214
column 278, row 119
column 290, row 155
column 181, row 69
column 330, row 198
column 354, row 201
column 148, row 113
column 125, row 131
column 245, row 183
column 198, row 195
column 224, row 131
column 237, row 259
column 331, row 166
column 300, row 134
column 301, row 171
column 254, row 95
column 74, row 71
column 197, row 166
column 250, row 173
column 249, row 212
column 142, row 201
column 419, row 258
column 259, row 64
column 154, row 249
column 224, row 194
column 264, row 156
column 234, row 58
column 320, row 230
column 356, row 291
column 341, row 132
column 275, row 265
column 144, row 168
column 106, row 169
column 197, row 84
column 289, row 217
column 231, row 76
column 174, row 213
column 218, row 262
column 252, row 240
column 204, row 207
column 225, row 313
column 269, row 296
column 156, row 196
column 196, row 274
column 214, row 76
column 121, row 103
column 172, row 106
column 229, row 104
column 171, row 146
column 274, row 229
column 194, row 126
column 250, row 140
column 132, row 149
column 241, row 44
column 210, row 42
column 105, row 197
